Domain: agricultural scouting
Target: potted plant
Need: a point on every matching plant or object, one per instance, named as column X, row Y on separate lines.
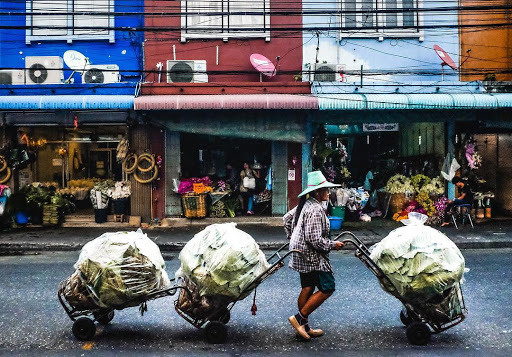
column 99, row 200
column 120, row 195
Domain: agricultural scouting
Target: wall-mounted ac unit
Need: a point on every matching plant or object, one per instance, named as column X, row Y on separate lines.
column 328, row 72
column 44, row 69
column 12, row 76
column 105, row 73
column 186, row 71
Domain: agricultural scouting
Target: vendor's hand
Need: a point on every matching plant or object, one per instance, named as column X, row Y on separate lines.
column 338, row 245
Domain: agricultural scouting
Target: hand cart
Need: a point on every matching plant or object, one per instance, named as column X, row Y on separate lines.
column 215, row 320
column 435, row 313
column 85, row 313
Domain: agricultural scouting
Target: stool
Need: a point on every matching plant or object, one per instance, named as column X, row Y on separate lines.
column 119, row 218
column 462, row 211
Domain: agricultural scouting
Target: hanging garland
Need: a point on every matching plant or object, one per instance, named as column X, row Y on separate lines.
column 136, row 167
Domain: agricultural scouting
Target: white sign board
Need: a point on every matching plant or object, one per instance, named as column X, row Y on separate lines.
column 291, row 175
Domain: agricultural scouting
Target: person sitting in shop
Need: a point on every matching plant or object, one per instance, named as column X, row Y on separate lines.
column 466, row 197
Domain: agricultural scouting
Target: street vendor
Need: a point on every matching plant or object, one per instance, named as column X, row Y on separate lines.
column 307, row 227
column 466, row 197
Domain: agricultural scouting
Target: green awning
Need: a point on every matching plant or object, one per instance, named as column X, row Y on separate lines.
column 414, row 101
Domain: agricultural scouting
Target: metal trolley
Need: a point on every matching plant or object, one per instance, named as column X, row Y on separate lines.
column 85, row 315
column 215, row 321
column 421, row 320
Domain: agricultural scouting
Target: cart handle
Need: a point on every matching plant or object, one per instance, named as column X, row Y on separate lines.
column 278, row 251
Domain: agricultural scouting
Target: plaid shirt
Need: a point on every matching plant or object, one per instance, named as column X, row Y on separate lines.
column 311, row 237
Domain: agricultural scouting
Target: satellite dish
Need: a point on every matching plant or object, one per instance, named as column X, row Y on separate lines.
column 75, row 60
column 263, row 65
column 445, row 57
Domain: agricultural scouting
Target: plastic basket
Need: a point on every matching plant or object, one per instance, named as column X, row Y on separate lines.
column 194, row 205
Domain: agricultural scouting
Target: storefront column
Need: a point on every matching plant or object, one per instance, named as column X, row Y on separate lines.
column 280, row 176
column 306, row 154
column 450, row 149
column 172, row 172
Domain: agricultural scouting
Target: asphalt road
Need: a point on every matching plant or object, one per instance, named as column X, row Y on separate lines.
column 359, row 320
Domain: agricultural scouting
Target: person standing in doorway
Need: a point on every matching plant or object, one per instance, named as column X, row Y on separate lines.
column 307, row 227
column 247, row 187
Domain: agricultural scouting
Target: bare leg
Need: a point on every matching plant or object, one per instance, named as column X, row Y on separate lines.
column 314, row 302
column 304, row 296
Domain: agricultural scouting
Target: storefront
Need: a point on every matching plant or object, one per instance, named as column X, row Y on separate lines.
column 206, row 133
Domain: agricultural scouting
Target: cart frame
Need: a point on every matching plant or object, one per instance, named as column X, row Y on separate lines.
column 415, row 313
column 217, row 319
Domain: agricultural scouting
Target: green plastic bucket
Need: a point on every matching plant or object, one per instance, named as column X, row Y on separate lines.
column 338, row 212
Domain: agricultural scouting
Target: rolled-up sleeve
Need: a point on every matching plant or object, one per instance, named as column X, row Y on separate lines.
column 288, row 222
column 313, row 233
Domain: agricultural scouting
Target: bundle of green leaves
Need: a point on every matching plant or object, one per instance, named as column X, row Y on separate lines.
column 222, row 260
column 420, row 262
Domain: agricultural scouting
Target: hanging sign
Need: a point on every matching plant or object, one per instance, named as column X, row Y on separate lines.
column 369, row 127
column 291, row 175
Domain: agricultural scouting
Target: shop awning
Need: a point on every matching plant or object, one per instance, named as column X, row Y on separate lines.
column 240, row 101
column 67, row 102
column 414, row 101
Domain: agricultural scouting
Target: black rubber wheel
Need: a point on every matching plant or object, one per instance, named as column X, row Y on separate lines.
column 223, row 316
column 84, row 329
column 405, row 318
column 104, row 317
column 418, row 333
column 216, row 332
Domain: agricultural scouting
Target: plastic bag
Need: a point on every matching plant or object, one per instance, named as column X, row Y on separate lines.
column 420, row 261
column 222, row 260
column 121, row 267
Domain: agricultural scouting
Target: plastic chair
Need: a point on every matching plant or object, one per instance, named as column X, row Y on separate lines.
column 462, row 212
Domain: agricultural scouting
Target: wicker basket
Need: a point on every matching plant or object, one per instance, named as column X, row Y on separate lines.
column 194, row 205
column 396, row 202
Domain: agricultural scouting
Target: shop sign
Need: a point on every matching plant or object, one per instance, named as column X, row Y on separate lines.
column 369, row 127
column 291, row 175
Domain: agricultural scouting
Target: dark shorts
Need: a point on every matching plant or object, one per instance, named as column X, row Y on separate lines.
column 324, row 281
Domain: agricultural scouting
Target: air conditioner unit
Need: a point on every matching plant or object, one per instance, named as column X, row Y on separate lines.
column 104, row 73
column 186, row 72
column 327, row 72
column 12, row 76
column 44, row 69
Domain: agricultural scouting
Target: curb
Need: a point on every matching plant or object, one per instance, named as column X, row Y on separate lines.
column 34, row 248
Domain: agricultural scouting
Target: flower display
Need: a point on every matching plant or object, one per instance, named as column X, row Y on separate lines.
column 426, row 202
column 120, row 190
column 418, row 181
column 399, row 184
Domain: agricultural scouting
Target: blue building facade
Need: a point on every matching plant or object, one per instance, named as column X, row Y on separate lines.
column 38, row 32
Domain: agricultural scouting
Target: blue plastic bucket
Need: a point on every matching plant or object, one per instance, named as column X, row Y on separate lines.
column 335, row 223
column 21, row 218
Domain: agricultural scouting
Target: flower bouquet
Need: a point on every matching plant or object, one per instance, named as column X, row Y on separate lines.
column 120, row 195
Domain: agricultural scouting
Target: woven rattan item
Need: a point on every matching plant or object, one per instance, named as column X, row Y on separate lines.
column 194, row 205
column 397, row 202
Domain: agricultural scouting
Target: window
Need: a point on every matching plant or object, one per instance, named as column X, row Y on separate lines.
column 362, row 18
column 225, row 18
column 59, row 22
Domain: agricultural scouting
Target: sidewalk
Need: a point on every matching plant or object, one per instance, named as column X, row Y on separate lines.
column 267, row 231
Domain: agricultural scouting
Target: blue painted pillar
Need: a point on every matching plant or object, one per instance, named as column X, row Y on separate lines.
column 450, row 148
column 306, row 154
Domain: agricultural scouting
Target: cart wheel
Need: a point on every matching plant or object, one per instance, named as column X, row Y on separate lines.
column 216, row 332
column 418, row 333
column 104, row 316
column 84, row 329
column 405, row 317
column 223, row 316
